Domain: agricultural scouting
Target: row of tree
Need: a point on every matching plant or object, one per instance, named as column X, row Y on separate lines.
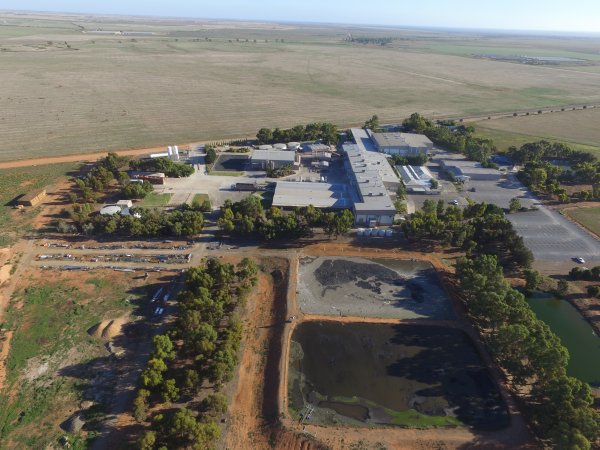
column 324, row 131
column 170, row 168
column 560, row 406
column 96, row 181
column 200, row 352
column 248, row 217
column 185, row 221
column 479, row 228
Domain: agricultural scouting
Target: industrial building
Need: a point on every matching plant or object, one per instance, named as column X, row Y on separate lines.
column 275, row 159
column 32, row 198
column 403, row 144
column 415, row 178
column 321, row 195
column 367, row 171
column 462, row 170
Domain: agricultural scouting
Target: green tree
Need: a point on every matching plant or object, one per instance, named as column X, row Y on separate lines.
column 562, row 287
column 532, row 279
column 372, row 123
column 593, row 291
column 434, row 183
column 169, row 391
column 215, row 404
column 140, row 405
column 163, row 347
column 148, row 440
column 152, row 374
column 514, row 205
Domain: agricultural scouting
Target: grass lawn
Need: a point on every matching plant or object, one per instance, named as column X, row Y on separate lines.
column 49, row 317
column 414, row 419
column 153, row 200
column 200, row 198
column 19, row 181
column 588, row 217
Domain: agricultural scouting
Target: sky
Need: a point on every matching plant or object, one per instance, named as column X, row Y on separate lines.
column 544, row 15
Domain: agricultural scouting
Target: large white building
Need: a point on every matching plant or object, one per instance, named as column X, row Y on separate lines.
column 404, row 144
column 370, row 175
column 274, row 159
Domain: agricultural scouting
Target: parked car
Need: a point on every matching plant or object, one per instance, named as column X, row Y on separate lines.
column 580, row 260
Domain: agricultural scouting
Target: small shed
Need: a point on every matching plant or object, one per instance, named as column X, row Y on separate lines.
column 32, row 198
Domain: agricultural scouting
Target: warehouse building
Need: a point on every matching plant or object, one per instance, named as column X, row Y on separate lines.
column 290, row 194
column 32, row 198
column 370, row 176
column 462, row 170
column 403, row 144
column 415, row 178
column 274, row 159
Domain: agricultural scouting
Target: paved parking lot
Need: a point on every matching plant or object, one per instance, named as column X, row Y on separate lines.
column 550, row 236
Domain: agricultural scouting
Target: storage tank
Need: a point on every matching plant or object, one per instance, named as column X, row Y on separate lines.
column 389, row 233
column 280, row 146
column 361, row 232
column 367, row 232
column 382, row 233
column 373, row 231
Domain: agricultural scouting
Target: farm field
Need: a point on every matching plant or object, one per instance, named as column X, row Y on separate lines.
column 194, row 81
column 576, row 128
column 60, row 326
column 588, row 217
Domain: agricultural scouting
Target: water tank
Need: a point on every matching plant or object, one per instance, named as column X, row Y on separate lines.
column 373, row 231
column 389, row 233
column 361, row 232
column 367, row 232
column 382, row 233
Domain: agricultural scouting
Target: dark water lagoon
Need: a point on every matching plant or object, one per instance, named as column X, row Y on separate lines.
column 575, row 334
column 408, row 375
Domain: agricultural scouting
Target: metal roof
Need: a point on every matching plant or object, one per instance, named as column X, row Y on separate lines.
column 320, row 195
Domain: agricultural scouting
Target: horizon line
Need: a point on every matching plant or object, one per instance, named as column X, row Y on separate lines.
column 572, row 33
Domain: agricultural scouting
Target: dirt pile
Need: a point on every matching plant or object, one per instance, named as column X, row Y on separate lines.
column 73, row 424
column 108, row 329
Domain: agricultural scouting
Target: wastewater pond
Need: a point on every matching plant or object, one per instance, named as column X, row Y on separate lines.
column 407, row 375
column 575, row 334
column 372, row 288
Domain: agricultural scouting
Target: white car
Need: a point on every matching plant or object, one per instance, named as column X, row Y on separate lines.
column 454, row 202
column 580, row 260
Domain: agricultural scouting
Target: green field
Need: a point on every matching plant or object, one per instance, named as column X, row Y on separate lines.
column 578, row 129
column 154, row 200
column 200, row 198
column 16, row 182
column 50, row 347
column 229, row 79
column 588, row 217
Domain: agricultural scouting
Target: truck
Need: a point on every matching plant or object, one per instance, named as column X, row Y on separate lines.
column 249, row 187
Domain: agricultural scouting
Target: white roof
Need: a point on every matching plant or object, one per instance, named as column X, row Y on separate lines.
column 273, row 155
column 399, row 140
column 320, row 195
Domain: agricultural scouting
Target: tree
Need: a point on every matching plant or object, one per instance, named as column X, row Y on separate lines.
column 532, row 279
column 514, row 205
column 593, row 291
column 140, row 405
column 562, row 287
column 434, row 183
column 215, row 404
column 152, row 374
column 163, row 347
column 169, row 391
column 264, row 136
column 148, row 440
column 372, row 123
column 192, row 381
